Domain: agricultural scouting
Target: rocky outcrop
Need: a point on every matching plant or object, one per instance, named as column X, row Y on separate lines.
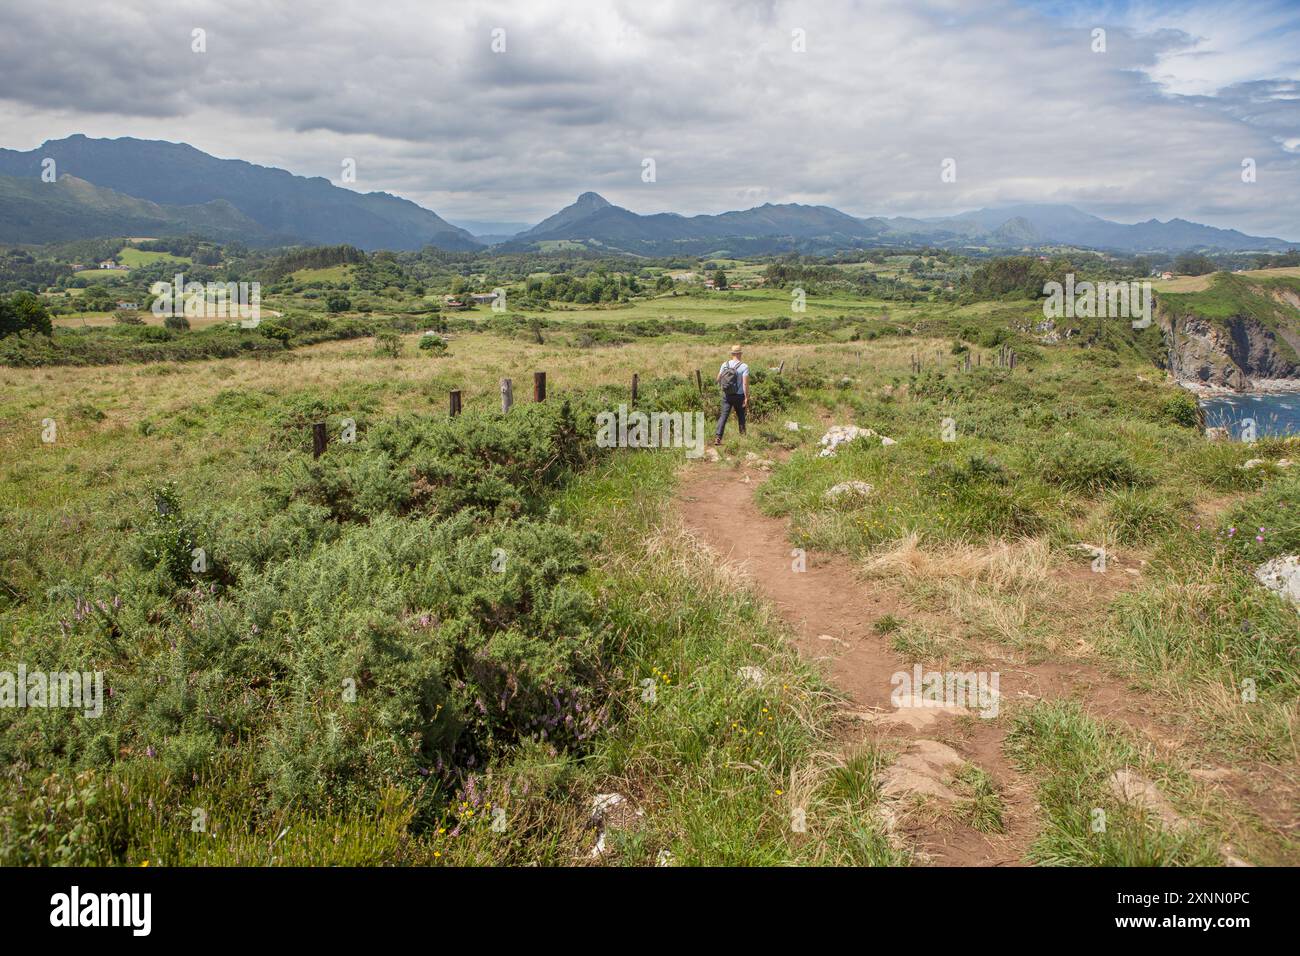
column 1237, row 353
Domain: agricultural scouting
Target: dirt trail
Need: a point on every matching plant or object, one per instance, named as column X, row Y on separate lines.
column 832, row 610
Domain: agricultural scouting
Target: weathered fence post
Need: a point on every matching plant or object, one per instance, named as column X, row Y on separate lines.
column 455, row 402
column 636, row 379
column 780, row 368
column 319, row 438
column 539, row 386
column 507, row 395
column 699, row 381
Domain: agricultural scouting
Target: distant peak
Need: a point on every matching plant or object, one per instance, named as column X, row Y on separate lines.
column 591, row 199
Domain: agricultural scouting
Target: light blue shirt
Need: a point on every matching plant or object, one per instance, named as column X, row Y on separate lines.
column 742, row 370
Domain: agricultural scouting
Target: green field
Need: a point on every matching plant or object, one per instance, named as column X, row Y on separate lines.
column 135, row 258
column 346, row 666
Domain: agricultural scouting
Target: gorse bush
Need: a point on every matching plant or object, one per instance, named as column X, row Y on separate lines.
column 1089, row 465
column 166, row 541
column 388, row 344
column 502, row 464
column 380, row 623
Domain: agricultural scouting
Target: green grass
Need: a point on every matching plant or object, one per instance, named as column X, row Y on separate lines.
column 1072, row 446
column 1072, row 757
column 130, row 256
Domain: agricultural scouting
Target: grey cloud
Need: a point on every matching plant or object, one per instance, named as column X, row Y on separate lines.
column 711, row 90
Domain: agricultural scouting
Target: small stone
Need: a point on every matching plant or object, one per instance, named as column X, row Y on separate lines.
column 1135, row 789
column 853, row 489
column 602, row 803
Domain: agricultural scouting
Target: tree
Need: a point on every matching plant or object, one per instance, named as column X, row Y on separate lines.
column 97, row 299
column 24, row 312
column 337, row 302
column 1194, row 264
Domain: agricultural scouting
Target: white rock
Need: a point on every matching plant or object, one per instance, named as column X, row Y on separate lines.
column 792, row 426
column 1282, row 575
column 603, row 802
column 838, row 435
column 1092, row 550
column 1217, row 433
column 887, row 441
column 854, row 489
column 1253, row 463
column 752, row 675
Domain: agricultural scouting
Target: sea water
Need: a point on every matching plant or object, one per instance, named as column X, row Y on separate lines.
column 1273, row 414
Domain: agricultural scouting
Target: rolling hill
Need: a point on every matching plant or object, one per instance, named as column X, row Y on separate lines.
column 278, row 202
column 32, row 211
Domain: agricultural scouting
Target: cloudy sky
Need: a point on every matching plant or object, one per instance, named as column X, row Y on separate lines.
column 851, row 104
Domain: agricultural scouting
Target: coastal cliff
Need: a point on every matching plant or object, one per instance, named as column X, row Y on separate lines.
column 1241, row 333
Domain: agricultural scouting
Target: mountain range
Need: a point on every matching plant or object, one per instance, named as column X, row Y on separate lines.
column 121, row 187
column 283, row 206
column 592, row 220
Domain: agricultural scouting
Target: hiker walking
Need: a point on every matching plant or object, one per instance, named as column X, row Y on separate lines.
column 734, row 379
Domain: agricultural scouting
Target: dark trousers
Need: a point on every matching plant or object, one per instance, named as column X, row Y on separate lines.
column 730, row 402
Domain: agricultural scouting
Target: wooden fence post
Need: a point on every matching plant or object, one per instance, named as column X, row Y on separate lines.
column 636, row 379
column 455, row 402
column 699, row 381
column 319, row 438
column 539, row 386
column 780, row 368
column 507, row 395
